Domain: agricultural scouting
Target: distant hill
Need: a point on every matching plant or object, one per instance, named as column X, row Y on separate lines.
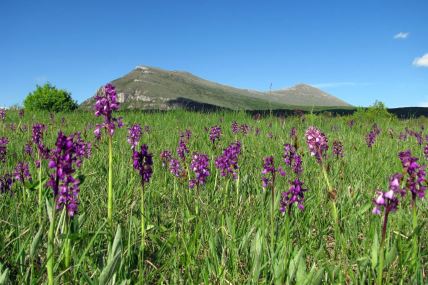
column 153, row 88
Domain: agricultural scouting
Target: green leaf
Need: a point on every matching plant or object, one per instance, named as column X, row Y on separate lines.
column 4, row 275
column 113, row 259
column 294, row 265
column 391, row 255
column 49, row 209
column 375, row 251
column 35, row 242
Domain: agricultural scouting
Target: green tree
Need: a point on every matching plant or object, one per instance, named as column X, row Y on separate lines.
column 49, row 98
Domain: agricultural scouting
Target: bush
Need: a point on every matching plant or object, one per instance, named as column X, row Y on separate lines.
column 49, row 98
column 376, row 111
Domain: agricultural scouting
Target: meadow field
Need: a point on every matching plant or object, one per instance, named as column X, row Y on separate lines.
column 235, row 224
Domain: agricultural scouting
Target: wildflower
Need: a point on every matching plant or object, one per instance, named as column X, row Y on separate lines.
column 63, row 159
column 268, row 172
column 317, row 143
column 6, row 183
column 337, row 148
column 2, row 114
column 182, row 149
column 389, row 199
column 21, row 113
column 235, row 127
column 227, row 163
column 22, row 172
column 372, row 135
column 200, row 166
column 175, row 168
column 106, row 103
column 215, row 134
column 293, row 133
column 37, row 138
column 165, row 157
column 403, row 136
column 3, row 148
column 351, row 123
column 292, row 159
column 134, row 135
column 245, row 129
column 295, row 194
column 28, row 149
column 186, row 135
column 143, row 162
column 426, row 151
column 416, row 180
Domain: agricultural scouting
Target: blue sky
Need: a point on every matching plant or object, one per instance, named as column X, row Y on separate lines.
column 359, row 50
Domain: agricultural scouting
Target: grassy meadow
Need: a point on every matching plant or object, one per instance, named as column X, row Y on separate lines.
column 223, row 232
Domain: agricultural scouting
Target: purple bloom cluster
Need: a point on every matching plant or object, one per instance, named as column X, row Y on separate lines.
column 295, row 194
column 176, row 169
column 292, row 159
column 227, row 163
column 106, row 103
column 337, row 149
column 64, row 158
column 28, row 149
column 200, row 166
column 182, row 149
column 235, row 127
column 143, row 162
column 351, row 123
column 215, row 134
column 2, row 114
column 416, row 180
column 372, row 135
column 186, row 135
column 37, row 137
column 21, row 113
column 6, row 183
column 22, row 172
column 269, row 172
column 317, row 143
column 389, row 199
column 245, row 129
column 3, row 148
column 426, row 151
column 134, row 135
column 165, row 157
column 293, row 133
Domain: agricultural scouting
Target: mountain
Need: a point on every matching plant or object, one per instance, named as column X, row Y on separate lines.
column 153, row 88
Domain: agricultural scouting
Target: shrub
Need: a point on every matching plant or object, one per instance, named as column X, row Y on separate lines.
column 49, row 98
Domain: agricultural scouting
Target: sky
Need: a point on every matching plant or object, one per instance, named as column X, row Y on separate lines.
column 359, row 51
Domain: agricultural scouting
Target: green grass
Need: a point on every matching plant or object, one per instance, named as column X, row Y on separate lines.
column 216, row 236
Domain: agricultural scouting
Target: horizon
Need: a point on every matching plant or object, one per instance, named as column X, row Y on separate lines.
column 357, row 51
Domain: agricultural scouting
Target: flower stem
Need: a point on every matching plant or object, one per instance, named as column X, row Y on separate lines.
column 142, row 230
column 381, row 250
column 40, row 191
column 415, row 237
column 50, row 252
column 110, row 183
column 272, row 222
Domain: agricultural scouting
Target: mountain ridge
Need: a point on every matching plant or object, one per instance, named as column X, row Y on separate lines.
column 147, row 87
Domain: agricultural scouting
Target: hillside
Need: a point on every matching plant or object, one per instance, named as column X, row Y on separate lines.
column 153, row 88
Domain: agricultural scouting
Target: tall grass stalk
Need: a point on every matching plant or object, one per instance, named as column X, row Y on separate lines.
column 110, row 182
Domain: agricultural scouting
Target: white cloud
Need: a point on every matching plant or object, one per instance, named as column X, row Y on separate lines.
column 421, row 61
column 401, row 36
